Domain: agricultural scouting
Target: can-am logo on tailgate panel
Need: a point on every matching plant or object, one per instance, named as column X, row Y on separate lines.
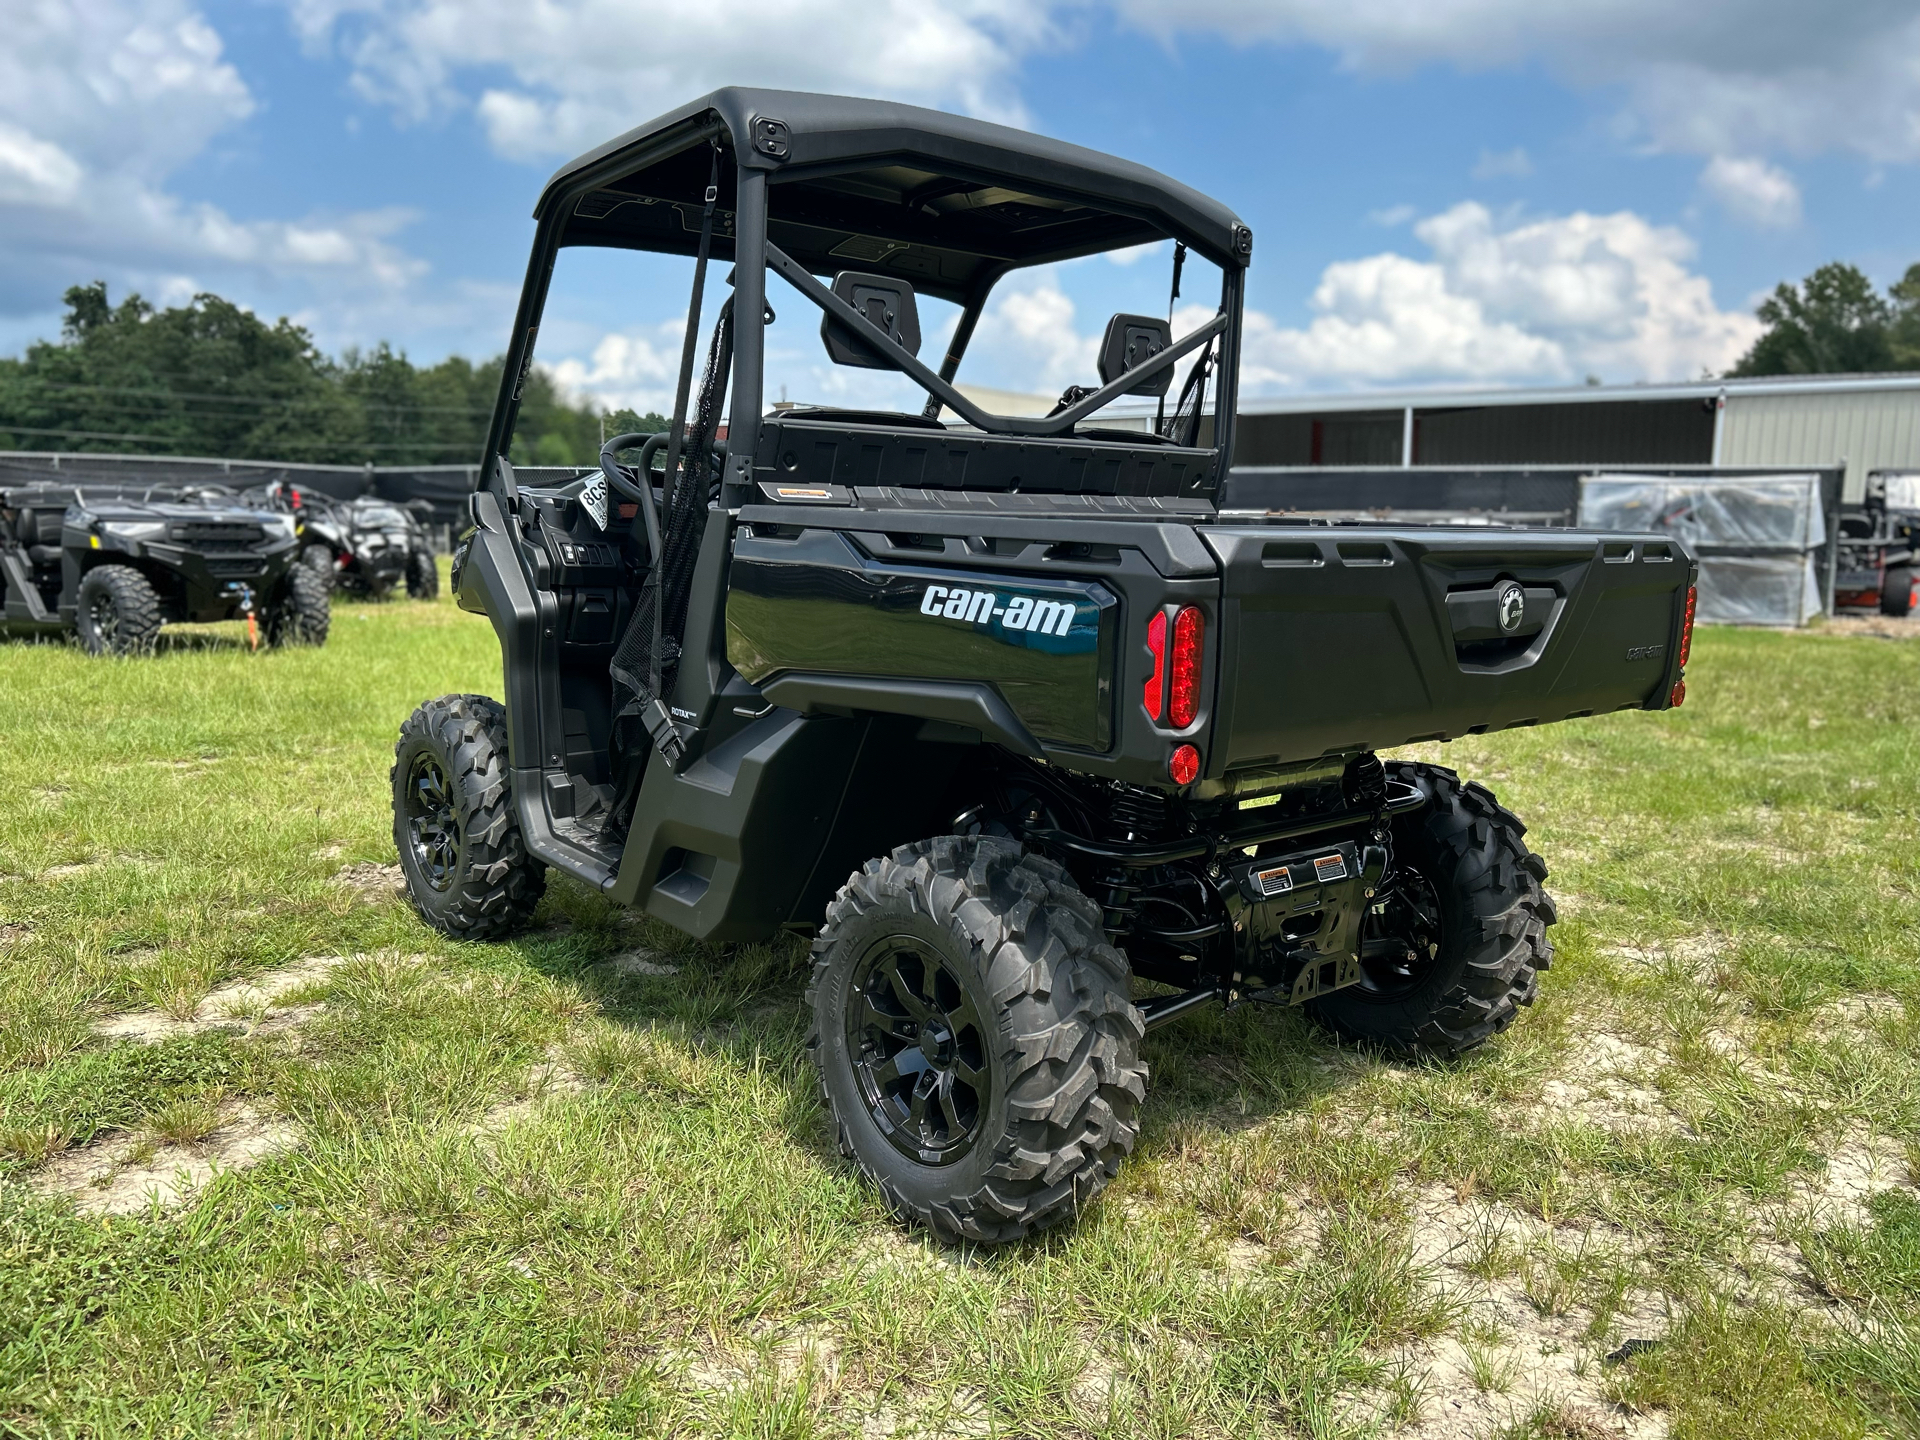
column 1022, row 612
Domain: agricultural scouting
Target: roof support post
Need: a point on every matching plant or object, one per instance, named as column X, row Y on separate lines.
column 1406, row 438
column 1719, row 423
column 749, row 333
column 1226, row 386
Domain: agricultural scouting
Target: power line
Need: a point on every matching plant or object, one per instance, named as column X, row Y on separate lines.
column 72, row 385
column 6, row 429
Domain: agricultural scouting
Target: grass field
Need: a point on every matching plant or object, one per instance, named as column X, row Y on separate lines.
column 276, row 1159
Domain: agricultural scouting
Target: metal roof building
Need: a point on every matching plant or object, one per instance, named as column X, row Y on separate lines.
column 1866, row 422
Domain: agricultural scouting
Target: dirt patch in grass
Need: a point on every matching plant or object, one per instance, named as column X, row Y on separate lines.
column 131, row 1173
column 1861, row 1167
column 253, row 1004
column 1693, row 954
column 543, row 1083
column 1605, row 1080
column 642, row 962
column 371, row 881
column 10, row 933
column 1534, row 1335
column 1861, row 1019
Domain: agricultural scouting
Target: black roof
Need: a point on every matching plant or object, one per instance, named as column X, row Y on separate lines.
column 869, row 184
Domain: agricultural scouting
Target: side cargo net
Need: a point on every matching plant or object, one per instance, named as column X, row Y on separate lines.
column 648, row 656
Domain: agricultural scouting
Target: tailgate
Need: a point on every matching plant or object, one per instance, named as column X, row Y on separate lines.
column 1346, row 638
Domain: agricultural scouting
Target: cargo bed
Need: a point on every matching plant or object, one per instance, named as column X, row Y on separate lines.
column 1320, row 639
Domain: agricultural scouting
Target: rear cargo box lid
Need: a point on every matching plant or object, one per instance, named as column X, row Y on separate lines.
column 1346, row 638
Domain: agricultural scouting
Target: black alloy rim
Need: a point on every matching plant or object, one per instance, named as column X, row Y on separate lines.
column 433, row 829
column 105, row 616
column 1401, row 939
column 920, row 1051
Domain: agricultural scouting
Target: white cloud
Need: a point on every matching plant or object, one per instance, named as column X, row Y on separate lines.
column 1392, row 216
column 1028, row 337
column 635, row 368
column 1543, row 300
column 550, row 77
column 1752, row 190
column 34, row 171
column 1534, row 301
column 100, row 102
column 1732, row 77
column 1503, row 164
column 584, row 70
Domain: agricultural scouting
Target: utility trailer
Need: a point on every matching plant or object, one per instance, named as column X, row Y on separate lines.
column 1005, row 713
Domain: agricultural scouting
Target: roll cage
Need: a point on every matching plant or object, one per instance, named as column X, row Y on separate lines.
column 810, row 186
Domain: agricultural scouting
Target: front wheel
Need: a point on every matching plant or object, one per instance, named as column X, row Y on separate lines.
column 1900, row 590
column 1453, row 945
column 467, row 869
column 302, row 612
column 319, row 559
column 117, row 612
column 976, row 1046
column 423, row 576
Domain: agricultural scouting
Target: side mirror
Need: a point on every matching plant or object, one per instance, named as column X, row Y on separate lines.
column 889, row 306
column 1132, row 340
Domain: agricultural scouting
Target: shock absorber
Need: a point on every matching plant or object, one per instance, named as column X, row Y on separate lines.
column 1117, row 891
column 1136, row 813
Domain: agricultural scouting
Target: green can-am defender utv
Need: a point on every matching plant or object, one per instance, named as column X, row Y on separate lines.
column 1004, row 710
column 113, row 563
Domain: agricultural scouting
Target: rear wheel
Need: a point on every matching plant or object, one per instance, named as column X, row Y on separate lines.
column 117, row 612
column 976, row 1045
column 1453, row 946
column 467, row 869
column 1900, row 591
column 301, row 613
column 423, row 576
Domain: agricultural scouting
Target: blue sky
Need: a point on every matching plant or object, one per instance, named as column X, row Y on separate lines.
column 1442, row 191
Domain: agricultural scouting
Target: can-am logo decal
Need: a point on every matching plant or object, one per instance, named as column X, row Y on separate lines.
column 1022, row 612
column 1513, row 608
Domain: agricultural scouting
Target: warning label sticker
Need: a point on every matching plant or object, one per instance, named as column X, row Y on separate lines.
column 1329, row 867
column 1273, row 881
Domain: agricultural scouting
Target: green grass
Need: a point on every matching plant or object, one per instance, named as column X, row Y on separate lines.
column 536, row 1193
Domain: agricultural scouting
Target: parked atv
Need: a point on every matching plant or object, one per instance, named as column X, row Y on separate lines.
column 113, row 564
column 364, row 546
column 1005, row 713
column 1879, row 549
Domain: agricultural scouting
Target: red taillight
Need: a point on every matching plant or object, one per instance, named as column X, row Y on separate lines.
column 1679, row 695
column 1686, row 629
column 1157, row 685
column 1184, row 764
column 1188, row 630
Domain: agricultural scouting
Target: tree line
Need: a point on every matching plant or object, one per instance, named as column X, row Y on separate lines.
column 1835, row 322
column 209, row 378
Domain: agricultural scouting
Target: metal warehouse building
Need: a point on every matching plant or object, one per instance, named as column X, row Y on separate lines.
column 1864, row 422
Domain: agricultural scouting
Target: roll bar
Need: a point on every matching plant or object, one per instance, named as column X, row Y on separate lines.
column 1062, row 423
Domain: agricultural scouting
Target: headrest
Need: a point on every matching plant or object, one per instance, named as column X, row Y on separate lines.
column 889, row 306
column 1130, row 340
